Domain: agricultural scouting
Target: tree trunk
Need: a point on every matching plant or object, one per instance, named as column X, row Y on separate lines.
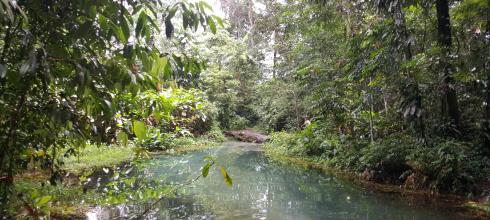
column 274, row 59
column 449, row 99
column 251, row 21
column 371, row 119
column 404, row 36
column 296, row 110
column 487, row 70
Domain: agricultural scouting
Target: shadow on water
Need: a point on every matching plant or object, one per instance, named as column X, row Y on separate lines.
column 263, row 189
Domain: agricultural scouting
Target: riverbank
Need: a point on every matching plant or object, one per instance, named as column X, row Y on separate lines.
column 71, row 197
column 289, row 154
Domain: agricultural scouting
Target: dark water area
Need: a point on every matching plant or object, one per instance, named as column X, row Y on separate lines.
column 263, row 189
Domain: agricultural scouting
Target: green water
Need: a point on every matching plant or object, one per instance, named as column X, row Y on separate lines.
column 263, row 189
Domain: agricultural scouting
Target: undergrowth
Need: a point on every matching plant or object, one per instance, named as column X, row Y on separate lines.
column 445, row 166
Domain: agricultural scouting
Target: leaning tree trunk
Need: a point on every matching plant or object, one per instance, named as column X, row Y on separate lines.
column 450, row 106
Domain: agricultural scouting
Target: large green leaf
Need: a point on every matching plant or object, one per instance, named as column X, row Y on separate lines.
column 122, row 138
column 43, row 200
column 205, row 170
column 158, row 66
column 212, row 25
column 227, row 177
column 139, row 129
column 219, row 20
column 125, row 28
column 140, row 23
column 203, row 5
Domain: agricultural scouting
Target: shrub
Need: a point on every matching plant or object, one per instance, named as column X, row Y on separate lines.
column 156, row 140
column 451, row 165
column 239, row 122
column 312, row 138
column 446, row 165
column 216, row 134
column 284, row 143
column 346, row 153
column 386, row 159
column 170, row 110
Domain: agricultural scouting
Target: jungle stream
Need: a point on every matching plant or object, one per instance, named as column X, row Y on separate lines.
column 264, row 189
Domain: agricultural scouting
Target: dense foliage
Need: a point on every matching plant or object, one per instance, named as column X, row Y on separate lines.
column 70, row 71
column 396, row 90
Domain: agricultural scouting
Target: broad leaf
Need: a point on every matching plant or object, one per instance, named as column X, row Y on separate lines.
column 125, row 28
column 139, row 129
column 122, row 138
column 43, row 200
column 205, row 170
column 219, row 20
column 140, row 23
column 212, row 25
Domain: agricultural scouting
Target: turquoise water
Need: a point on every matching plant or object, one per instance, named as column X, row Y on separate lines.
column 263, row 189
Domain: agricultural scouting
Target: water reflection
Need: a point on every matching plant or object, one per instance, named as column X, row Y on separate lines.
column 263, row 190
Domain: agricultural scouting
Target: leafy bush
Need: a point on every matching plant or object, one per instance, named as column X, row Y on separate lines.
column 447, row 165
column 157, row 118
column 284, row 143
column 156, row 140
column 311, row 140
column 215, row 133
column 451, row 165
column 239, row 122
column 173, row 110
column 387, row 159
column 346, row 154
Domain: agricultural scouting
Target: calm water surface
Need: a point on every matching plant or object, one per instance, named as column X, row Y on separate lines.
column 263, row 189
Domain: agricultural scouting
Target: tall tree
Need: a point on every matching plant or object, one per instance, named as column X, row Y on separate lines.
column 487, row 70
column 449, row 100
column 251, row 22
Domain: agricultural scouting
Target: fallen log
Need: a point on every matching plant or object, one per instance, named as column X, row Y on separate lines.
column 247, row 136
